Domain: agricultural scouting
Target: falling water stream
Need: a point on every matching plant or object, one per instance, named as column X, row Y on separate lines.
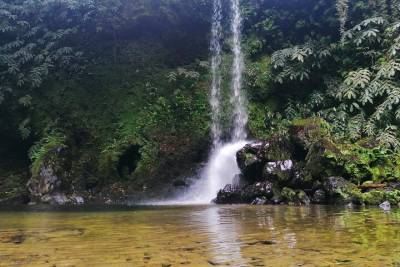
column 222, row 167
column 240, row 116
column 216, row 59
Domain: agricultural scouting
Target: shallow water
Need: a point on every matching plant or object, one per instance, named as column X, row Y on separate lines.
column 201, row 236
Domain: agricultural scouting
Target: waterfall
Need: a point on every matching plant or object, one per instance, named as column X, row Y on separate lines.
column 215, row 49
column 240, row 116
column 222, row 166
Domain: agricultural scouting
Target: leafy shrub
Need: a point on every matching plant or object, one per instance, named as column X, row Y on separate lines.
column 51, row 143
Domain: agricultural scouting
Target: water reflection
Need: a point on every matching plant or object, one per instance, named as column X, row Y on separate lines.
column 202, row 236
column 222, row 228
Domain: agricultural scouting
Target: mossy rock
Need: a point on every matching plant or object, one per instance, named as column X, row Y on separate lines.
column 376, row 197
column 288, row 195
column 251, row 161
column 338, row 189
column 279, row 171
column 278, row 149
column 297, row 197
column 310, row 129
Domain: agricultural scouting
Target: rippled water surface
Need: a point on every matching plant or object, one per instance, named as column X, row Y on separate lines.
column 201, row 236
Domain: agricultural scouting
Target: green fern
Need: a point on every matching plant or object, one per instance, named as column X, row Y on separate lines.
column 298, row 62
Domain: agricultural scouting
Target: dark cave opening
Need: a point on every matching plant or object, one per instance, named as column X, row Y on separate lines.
column 128, row 161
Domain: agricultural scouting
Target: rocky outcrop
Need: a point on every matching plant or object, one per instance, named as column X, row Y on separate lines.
column 251, row 160
column 45, row 183
column 245, row 194
column 338, row 189
column 299, row 169
column 50, row 184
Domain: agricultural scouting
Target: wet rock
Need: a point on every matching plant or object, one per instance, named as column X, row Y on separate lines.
column 259, row 201
column 251, row 161
column 302, row 198
column 45, row 183
column 61, row 199
column 277, row 196
column 278, row 170
column 288, row 195
column 301, row 178
column 262, row 242
column 385, row 206
column 338, row 189
column 298, row 197
column 229, row 195
column 343, row 260
column 319, row 197
column 314, row 162
column 247, row 194
column 78, row 200
column 57, row 198
column 213, row 263
column 18, row 238
column 257, row 190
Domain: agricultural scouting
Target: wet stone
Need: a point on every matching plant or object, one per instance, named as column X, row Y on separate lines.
column 262, row 242
column 385, row 206
column 213, row 263
column 18, row 239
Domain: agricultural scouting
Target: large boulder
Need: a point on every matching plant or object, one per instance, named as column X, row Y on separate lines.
column 248, row 194
column 229, row 195
column 278, row 171
column 319, row 197
column 250, row 160
column 50, row 182
column 339, row 189
column 263, row 190
column 45, row 183
column 297, row 197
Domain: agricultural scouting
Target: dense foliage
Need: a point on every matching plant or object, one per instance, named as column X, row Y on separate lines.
column 115, row 91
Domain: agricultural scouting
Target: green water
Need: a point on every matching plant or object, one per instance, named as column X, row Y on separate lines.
column 201, row 236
